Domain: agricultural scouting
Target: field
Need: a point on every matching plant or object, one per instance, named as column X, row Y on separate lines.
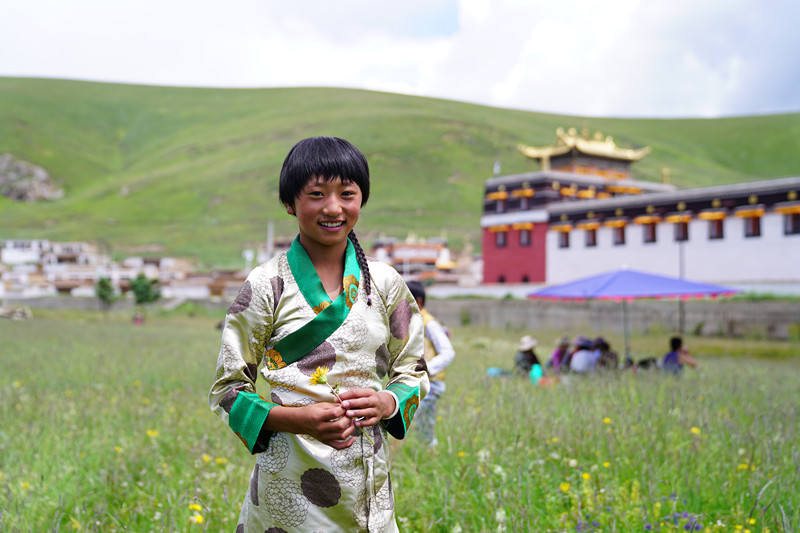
column 104, row 426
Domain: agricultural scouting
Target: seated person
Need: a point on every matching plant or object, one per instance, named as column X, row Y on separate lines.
column 604, row 357
column 582, row 359
column 559, row 355
column 526, row 358
column 677, row 357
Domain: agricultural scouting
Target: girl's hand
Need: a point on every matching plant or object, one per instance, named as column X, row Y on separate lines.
column 367, row 406
column 327, row 423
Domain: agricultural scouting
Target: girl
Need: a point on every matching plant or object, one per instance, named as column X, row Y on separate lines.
column 321, row 316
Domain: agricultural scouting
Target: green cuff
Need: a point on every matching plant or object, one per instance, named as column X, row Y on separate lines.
column 408, row 398
column 247, row 416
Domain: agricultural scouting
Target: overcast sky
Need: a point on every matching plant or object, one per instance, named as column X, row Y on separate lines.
column 625, row 58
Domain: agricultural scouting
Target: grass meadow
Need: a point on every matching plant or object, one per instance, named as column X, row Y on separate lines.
column 104, row 426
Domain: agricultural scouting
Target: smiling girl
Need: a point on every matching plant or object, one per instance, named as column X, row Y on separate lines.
column 321, row 313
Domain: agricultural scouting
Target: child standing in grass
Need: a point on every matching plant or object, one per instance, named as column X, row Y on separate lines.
column 321, row 315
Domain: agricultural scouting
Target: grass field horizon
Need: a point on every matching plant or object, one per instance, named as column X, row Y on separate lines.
column 192, row 172
column 104, row 426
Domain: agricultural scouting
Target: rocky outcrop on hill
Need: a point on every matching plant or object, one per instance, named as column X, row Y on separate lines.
column 25, row 182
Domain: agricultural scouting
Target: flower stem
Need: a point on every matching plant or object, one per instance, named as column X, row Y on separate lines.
column 359, row 427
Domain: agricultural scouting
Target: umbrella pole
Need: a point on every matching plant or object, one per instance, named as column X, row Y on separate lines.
column 625, row 329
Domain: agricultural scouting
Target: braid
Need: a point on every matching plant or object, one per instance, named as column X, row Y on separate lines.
column 362, row 263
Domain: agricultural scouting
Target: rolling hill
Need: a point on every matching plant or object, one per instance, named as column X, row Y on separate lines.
column 193, row 172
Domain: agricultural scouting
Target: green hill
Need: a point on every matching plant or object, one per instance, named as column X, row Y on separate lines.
column 193, row 172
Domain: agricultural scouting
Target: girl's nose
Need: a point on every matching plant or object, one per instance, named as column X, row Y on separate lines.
column 332, row 206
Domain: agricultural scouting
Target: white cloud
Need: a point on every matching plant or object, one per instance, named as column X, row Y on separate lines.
column 619, row 57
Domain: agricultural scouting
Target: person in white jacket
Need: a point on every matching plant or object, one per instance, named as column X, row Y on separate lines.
column 439, row 353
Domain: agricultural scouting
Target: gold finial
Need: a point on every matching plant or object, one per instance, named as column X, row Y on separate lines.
column 619, row 212
column 650, row 209
column 792, row 195
column 556, row 185
column 665, row 175
column 753, row 199
column 681, row 206
column 564, row 217
column 715, row 202
column 590, row 214
column 501, row 187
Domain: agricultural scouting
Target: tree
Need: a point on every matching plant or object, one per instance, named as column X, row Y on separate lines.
column 145, row 290
column 105, row 293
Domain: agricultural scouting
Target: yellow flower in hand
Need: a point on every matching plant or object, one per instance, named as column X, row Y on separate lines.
column 320, row 376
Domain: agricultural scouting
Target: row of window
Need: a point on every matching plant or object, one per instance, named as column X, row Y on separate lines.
column 752, row 228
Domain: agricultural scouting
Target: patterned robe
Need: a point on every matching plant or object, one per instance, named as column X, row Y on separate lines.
column 298, row 483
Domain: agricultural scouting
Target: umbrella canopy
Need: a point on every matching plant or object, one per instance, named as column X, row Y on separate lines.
column 625, row 285
column 629, row 285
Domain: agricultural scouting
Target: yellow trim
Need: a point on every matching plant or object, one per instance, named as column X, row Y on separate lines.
column 647, row 219
column 586, row 193
column 523, row 193
column 496, row 229
column 751, row 212
column 562, row 228
column 566, row 191
column 588, row 225
column 522, row 225
column 616, row 223
column 603, row 195
column 712, row 215
column 788, row 210
column 678, row 218
column 498, row 195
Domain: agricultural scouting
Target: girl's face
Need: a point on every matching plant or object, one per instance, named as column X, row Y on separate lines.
column 326, row 212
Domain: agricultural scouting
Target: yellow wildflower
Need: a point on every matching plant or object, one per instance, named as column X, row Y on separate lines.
column 137, row 383
column 320, row 376
column 554, row 440
column 196, row 518
column 220, row 460
column 606, row 464
column 564, row 486
column 606, row 420
column 743, row 466
column 17, row 384
column 195, row 507
column 25, row 485
column 751, row 521
column 206, row 458
column 152, row 433
column 695, row 430
column 462, row 454
column 586, row 475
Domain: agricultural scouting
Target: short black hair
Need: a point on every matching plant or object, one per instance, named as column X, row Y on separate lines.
column 675, row 343
column 417, row 290
column 327, row 158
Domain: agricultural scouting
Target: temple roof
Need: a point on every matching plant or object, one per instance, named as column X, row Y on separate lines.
column 595, row 146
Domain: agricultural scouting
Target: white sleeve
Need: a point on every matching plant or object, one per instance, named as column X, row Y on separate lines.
column 441, row 343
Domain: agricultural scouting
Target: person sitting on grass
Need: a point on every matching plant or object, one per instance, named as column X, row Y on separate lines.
column 677, row 357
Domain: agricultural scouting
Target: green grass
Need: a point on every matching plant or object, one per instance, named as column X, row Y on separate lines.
column 200, row 166
column 104, row 426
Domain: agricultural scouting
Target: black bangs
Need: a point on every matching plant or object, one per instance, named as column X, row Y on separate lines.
column 327, row 158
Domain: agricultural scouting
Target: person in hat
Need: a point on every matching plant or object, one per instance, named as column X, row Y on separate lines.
column 582, row 359
column 558, row 358
column 526, row 357
column 439, row 353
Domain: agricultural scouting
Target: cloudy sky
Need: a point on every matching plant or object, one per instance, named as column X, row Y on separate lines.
column 625, row 58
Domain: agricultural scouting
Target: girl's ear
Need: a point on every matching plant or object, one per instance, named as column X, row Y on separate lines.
column 289, row 209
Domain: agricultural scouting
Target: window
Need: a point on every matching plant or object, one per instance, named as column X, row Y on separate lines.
column 501, row 279
column 563, row 239
column 649, row 232
column 752, row 226
column 619, row 236
column 791, row 224
column 715, row 229
column 524, row 237
column 591, row 238
column 500, row 239
column 681, row 231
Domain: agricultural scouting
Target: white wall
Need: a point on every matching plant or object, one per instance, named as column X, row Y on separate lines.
column 772, row 257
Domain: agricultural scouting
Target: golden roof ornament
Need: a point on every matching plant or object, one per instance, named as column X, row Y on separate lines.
column 570, row 140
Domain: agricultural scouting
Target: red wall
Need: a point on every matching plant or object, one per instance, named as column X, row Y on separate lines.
column 513, row 261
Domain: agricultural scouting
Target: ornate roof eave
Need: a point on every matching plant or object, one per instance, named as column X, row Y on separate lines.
column 596, row 146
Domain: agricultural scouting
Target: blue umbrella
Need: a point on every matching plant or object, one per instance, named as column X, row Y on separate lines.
column 626, row 285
